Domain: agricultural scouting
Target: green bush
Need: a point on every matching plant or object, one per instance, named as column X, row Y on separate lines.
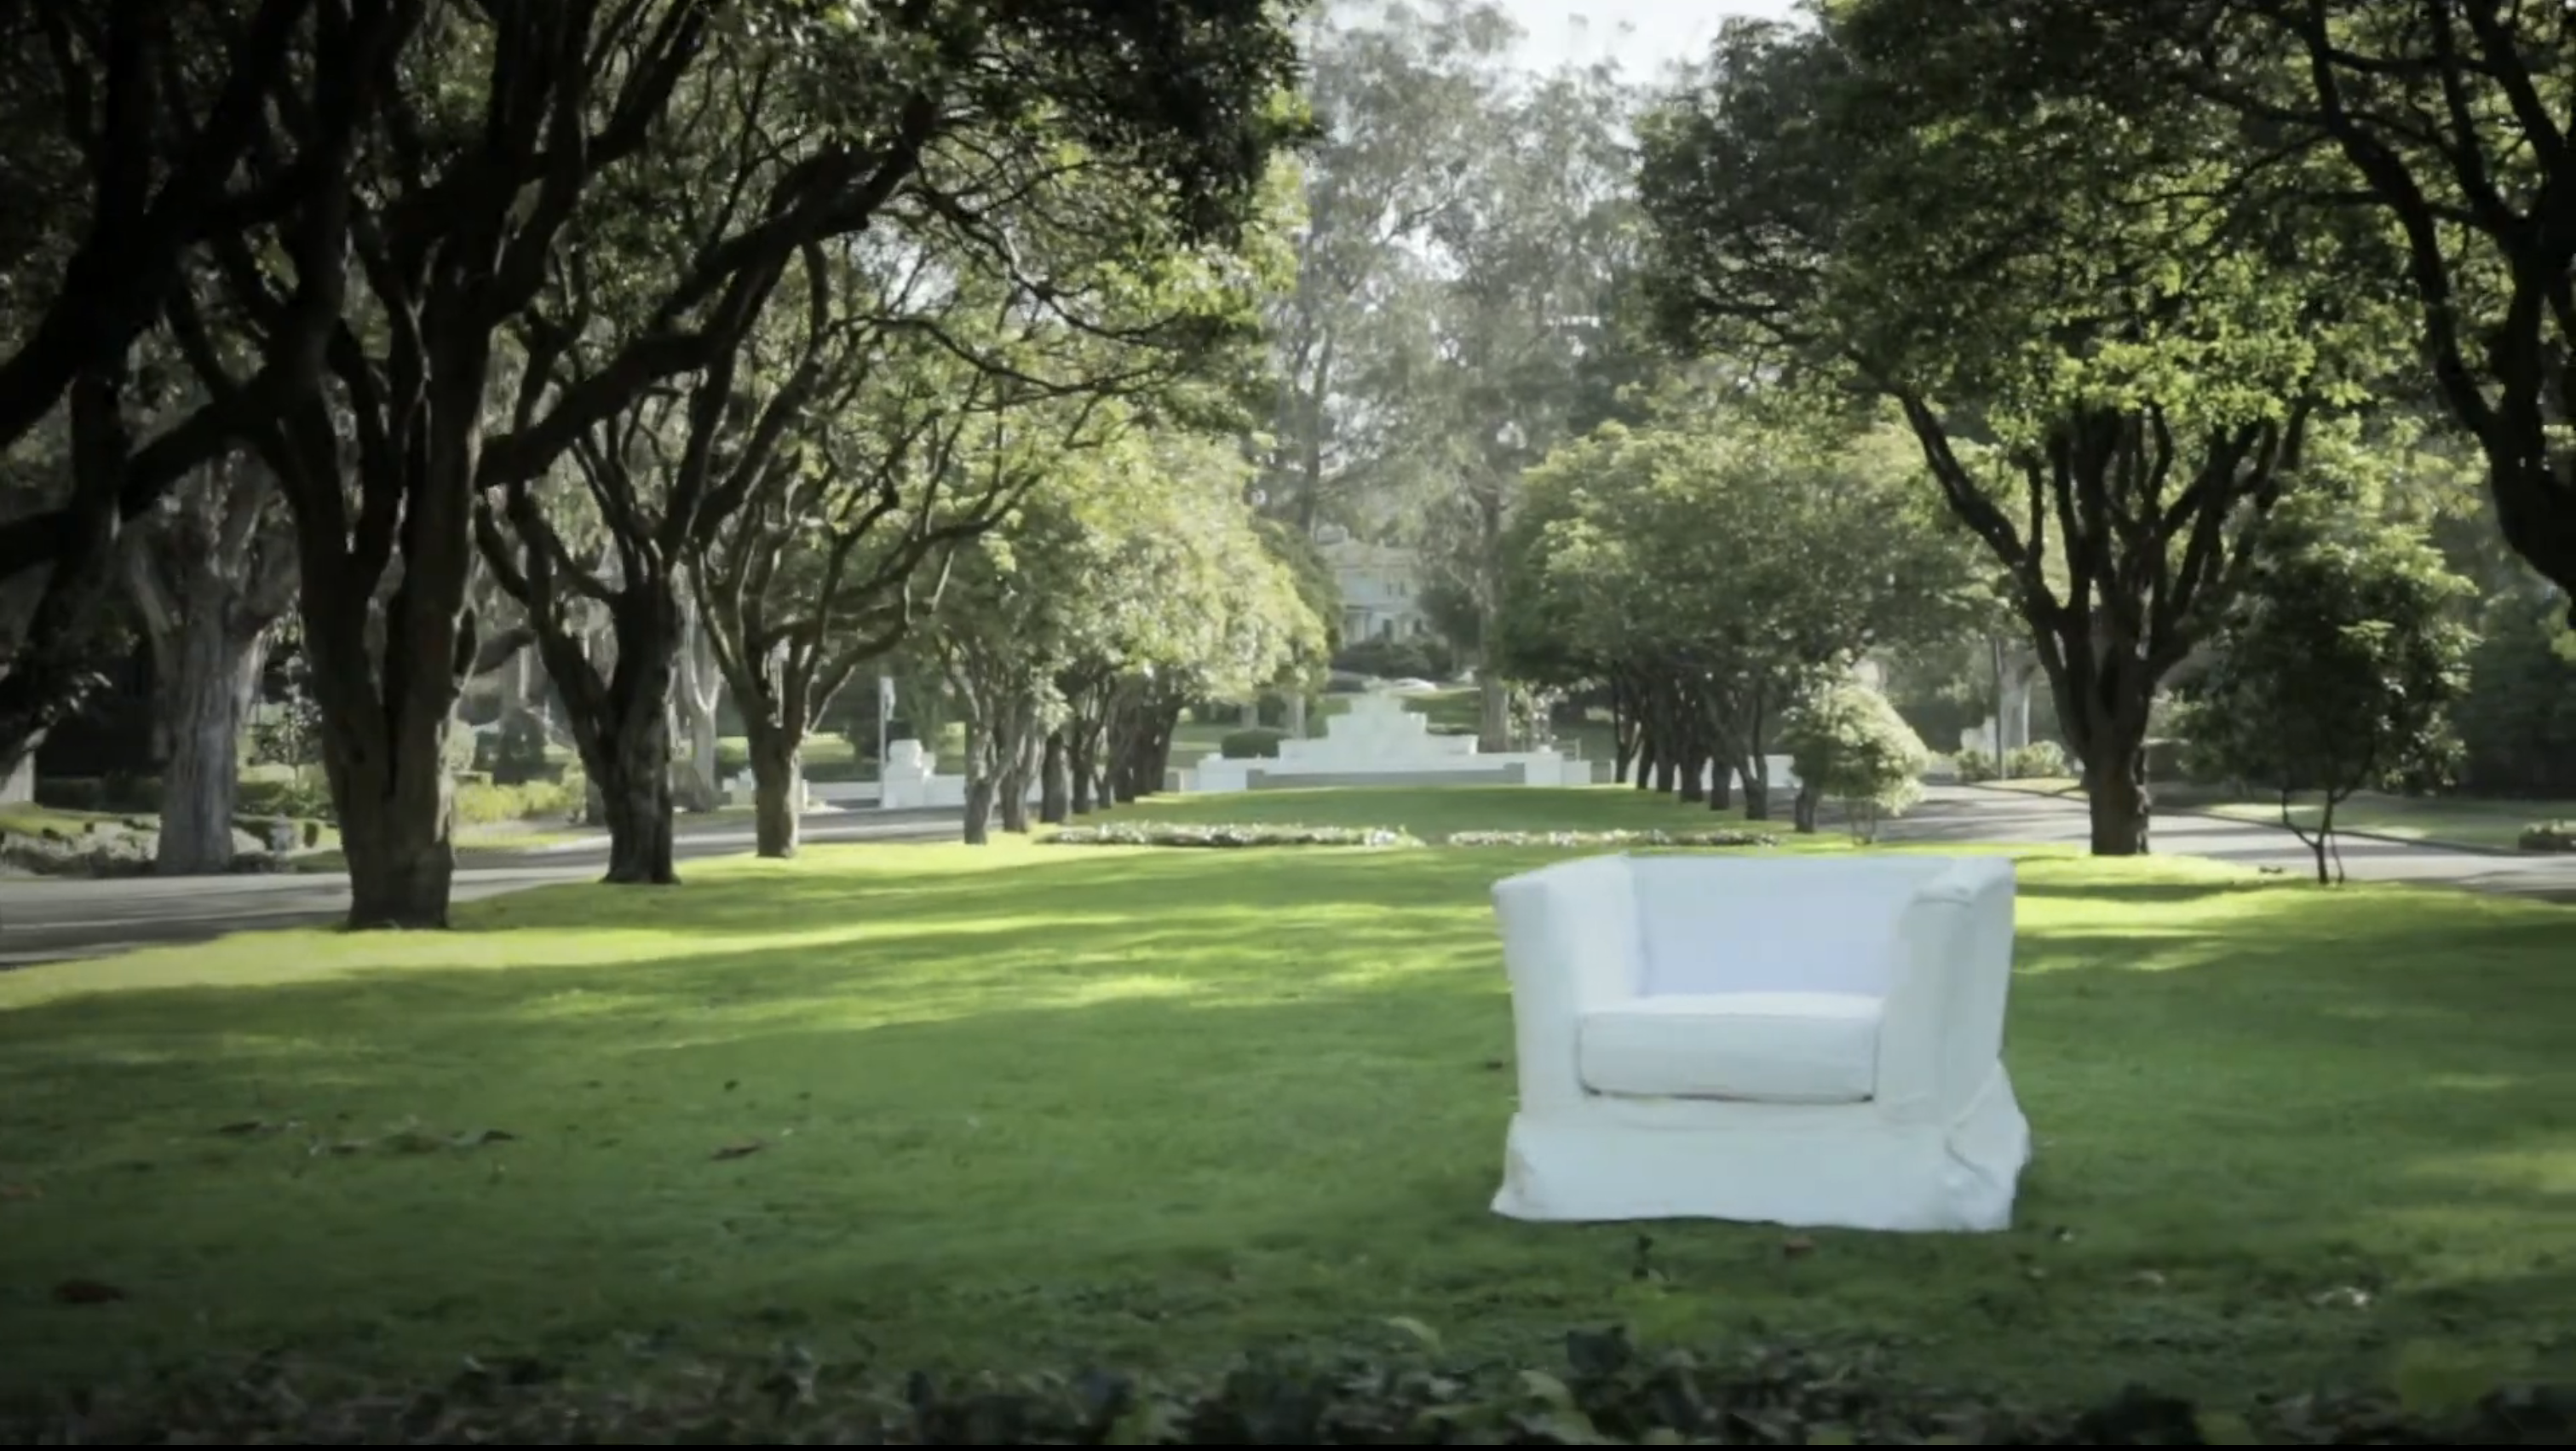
column 1254, row 744
column 1850, row 744
column 71, row 793
column 1974, row 766
column 2039, row 758
column 1604, row 1390
column 1423, row 659
column 516, row 752
column 305, row 793
column 849, row 770
column 483, row 804
column 133, row 791
column 2548, row 836
column 456, row 748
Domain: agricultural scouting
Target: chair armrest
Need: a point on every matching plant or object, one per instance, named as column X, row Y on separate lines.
column 1942, row 1030
column 1570, row 945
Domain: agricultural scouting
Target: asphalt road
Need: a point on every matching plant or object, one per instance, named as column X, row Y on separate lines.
column 44, row 919
column 1998, row 814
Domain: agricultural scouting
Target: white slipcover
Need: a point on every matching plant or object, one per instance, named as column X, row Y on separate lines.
column 1810, row 1041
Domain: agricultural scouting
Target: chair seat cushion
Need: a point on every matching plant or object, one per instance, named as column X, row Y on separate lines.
column 1770, row 1047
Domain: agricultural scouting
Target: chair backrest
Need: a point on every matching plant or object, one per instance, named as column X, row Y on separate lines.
column 1709, row 924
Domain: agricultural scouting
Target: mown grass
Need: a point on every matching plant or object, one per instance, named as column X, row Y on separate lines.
column 946, row 1106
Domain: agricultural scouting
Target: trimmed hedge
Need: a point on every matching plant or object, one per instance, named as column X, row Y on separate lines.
column 1256, row 743
column 1604, row 1393
column 2548, row 836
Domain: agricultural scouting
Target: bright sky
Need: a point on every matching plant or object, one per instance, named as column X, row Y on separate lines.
column 1657, row 31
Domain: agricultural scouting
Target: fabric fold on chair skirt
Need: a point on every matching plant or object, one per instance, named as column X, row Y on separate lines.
column 1804, row 1165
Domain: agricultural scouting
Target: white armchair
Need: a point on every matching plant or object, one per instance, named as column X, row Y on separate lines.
column 1795, row 1040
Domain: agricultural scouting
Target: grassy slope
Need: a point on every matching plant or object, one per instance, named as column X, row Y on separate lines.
column 1075, row 1102
column 2491, row 824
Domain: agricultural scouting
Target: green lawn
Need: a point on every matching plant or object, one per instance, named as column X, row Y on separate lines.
column 2488, row 824
column 941, row 1105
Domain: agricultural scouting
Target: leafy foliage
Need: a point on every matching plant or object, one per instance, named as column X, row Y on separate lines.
column 1250, row 745
column 2336, row 669
column 1607, row 1392
column 2104, row 322
column 1848, row 743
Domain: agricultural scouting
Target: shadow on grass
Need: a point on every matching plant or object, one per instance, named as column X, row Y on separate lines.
column 1152, row 1106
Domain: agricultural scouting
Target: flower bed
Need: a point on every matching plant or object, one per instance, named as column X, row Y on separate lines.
column 1610, row 838
column 1165, row 833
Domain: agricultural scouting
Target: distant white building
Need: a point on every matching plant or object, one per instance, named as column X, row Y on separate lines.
column 1381, row 587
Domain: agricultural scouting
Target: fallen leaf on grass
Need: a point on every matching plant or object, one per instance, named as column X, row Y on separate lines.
column 20, row 1191
column 86, row 1292
column 480, row 1137
column 743, row 1150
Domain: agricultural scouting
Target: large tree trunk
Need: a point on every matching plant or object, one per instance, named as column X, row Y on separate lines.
column 2103, row 696
column 1623, row 732
column 1696, row 766
column 981, row 756
column 1757, row 790
column 1083, row 764
column 208, row 580
column 1802, row 809
column 1055, row 782
column 2119, row 802
column 1493, row 712
column 777, row 786
column 697, row 689
column 1016, row 751
column 633, row 772
column 620, row 717
column 201, row 777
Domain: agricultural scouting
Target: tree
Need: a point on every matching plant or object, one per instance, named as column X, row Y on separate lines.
column 1145, row 577
column 128, row 127
column 1723, row 571
column 504, row 123
column 1402, row 104
column 2336, row 668
column 1847, row 742
column 214, row 574
column 2447, row 120
column 1529, row 252
column 2108, row 360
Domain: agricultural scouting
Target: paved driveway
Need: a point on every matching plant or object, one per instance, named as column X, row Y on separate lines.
column 1996, row 814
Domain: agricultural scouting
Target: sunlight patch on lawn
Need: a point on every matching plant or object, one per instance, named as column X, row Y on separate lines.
column 2541, row 1169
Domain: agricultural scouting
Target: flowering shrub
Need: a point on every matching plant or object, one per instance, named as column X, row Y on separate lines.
column 1610, row 838
column 1165, row 833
